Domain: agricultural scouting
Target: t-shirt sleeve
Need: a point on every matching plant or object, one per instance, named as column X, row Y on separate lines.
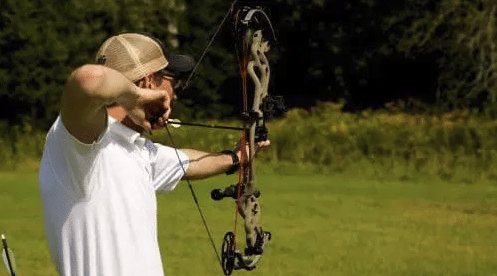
column 71, row 160
column 167, row 170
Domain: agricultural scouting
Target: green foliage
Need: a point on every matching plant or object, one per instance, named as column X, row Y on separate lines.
column 214, row 81
column 463, row 35
column 199, row 138
column 18, row 145
column 334, row 48
column 42, row 42
column 456, row 146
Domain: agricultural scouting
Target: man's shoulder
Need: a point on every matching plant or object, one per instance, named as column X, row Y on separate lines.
column 57, row 131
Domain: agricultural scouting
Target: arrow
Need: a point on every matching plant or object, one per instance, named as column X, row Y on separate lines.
column 176, row 123
column 8, row 257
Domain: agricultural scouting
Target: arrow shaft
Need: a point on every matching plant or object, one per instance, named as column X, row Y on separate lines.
column 7, row 256
column 205, row 125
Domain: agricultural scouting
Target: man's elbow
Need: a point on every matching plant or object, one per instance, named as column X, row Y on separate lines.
column 86, row 79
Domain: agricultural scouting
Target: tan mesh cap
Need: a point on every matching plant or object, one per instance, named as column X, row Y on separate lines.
column 137, row 55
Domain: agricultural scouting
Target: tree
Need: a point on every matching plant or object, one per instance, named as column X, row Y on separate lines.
column 463, row 34
column 42, row 41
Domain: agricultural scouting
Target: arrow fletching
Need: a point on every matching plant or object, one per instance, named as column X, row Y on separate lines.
column 174, row 122
column 8, row 257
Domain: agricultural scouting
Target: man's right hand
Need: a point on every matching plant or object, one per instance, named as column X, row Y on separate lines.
column 150, row 109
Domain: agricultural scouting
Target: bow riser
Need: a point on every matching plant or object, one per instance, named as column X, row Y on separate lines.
column 250, row 209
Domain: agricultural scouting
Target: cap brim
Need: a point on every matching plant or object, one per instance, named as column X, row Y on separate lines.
column 179, row 63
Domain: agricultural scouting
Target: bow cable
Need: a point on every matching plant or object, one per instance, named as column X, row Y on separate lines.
column 184, row 87
column 194, row 195
column 228, row 13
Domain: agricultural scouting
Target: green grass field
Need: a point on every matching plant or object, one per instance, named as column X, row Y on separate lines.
column 321, row 225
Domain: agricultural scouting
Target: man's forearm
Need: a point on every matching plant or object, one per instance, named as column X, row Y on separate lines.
column 204, row 164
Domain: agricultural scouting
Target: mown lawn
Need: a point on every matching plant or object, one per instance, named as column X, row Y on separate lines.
column 321, row 225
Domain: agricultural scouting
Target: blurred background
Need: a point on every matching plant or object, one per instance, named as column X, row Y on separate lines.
column 425, row 53
column 406, row 80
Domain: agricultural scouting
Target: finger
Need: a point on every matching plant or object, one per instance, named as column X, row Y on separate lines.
column 167, row 101
column 167, row 107
column 265, row 143
column 147, row 126
column 167, row 114
column 262, row 144
column 157, row 94
column 150, row 95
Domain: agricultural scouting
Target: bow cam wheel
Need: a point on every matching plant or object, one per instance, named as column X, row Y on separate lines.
column 228, row 253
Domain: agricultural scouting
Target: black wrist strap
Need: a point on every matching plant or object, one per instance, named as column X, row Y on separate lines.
column 236, row 161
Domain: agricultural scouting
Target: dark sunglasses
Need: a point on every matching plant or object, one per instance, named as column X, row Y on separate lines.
column 171, row 76
column 166, row 74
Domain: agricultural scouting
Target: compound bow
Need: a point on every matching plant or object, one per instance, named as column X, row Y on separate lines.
column 253, row 33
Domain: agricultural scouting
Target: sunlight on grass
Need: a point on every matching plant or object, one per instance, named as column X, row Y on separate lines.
column 321, row 225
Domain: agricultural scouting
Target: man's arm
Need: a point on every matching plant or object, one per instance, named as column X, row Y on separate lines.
column 203, row 164
column 90, row 88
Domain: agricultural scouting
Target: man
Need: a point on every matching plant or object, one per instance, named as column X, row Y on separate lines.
column 99, row 176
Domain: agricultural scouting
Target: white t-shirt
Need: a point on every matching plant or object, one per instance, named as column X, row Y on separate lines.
column 99, row 202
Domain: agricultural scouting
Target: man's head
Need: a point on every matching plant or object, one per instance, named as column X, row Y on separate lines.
column 137, row 56
column 145, row 61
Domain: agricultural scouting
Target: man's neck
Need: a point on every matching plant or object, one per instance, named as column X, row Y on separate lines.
column 119, row 113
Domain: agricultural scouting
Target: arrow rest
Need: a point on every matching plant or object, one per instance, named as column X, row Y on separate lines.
column 251, row 117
